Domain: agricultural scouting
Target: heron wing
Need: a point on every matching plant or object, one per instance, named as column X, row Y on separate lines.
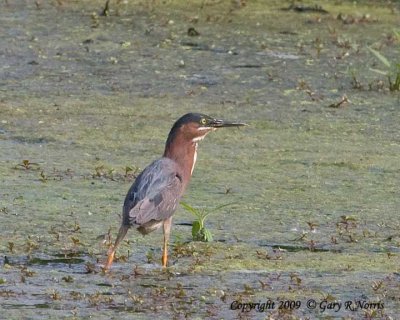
column 155, row 194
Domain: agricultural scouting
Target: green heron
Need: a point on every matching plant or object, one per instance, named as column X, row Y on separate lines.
column 154, row 196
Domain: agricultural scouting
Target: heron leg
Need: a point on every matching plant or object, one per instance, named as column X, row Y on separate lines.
column 167, row 230
column 111, row 252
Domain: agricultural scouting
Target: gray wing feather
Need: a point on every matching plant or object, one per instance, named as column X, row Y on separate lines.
column 155, row 194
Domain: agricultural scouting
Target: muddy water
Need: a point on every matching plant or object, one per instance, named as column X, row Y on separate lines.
column 315, row 183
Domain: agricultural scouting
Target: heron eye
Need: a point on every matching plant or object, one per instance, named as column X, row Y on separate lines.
column 203, row 121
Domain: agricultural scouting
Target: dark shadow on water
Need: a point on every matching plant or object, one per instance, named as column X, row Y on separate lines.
column 40, row 261
column 298, row 248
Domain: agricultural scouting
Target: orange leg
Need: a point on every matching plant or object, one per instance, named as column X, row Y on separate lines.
column 111, row 252
column 167, row 229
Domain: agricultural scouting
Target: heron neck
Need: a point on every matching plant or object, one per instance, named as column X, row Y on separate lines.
column 184, row 153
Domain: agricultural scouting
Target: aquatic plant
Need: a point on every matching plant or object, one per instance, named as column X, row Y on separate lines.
column 27, row 165
column 392, row 68
column 199, row 231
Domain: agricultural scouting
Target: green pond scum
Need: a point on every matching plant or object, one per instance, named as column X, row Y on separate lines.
column 88, row 93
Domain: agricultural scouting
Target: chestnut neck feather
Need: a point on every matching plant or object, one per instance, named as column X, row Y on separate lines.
column 183, row 151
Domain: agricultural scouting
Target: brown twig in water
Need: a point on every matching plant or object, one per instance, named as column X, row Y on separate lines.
column 340, row 104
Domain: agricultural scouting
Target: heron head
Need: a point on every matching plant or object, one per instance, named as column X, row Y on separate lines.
column 195, row 126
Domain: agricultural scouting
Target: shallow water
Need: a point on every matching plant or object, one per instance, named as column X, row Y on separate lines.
column 316, row 188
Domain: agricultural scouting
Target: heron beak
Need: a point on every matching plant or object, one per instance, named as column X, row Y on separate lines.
column 217, row 123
